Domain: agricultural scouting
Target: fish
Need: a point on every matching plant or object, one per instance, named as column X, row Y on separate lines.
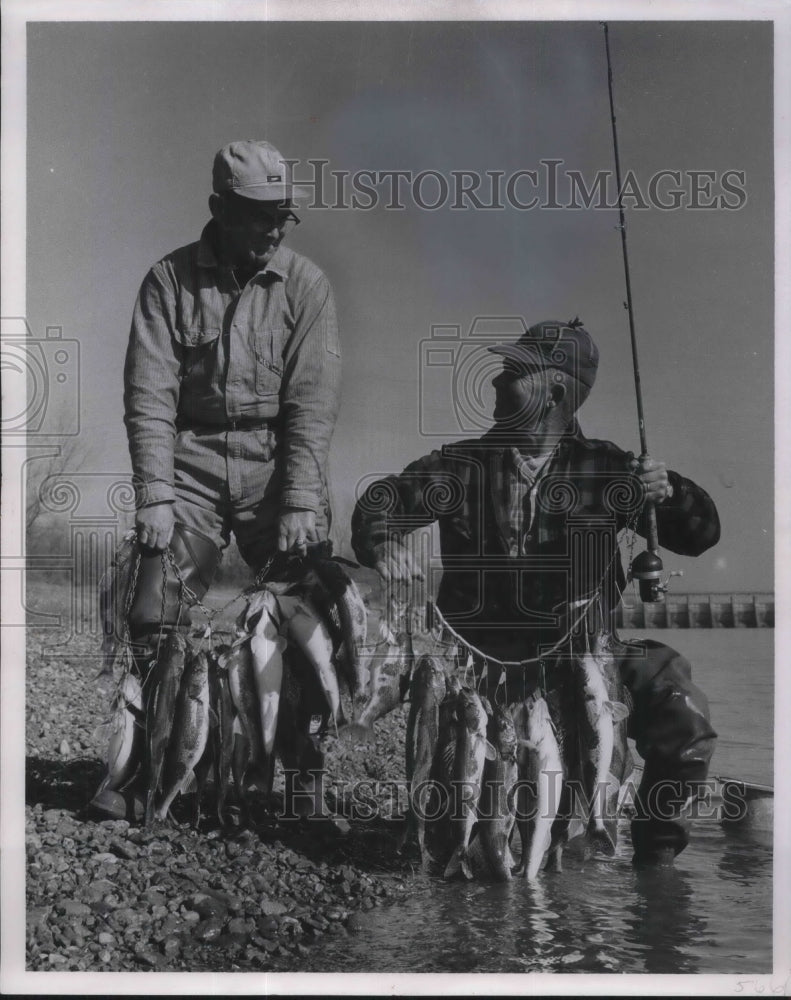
column 223, row 732
column 305, row 628
column 114, row 588
column 162, row 692
column 600, row 716
column 303, row 760
column 471, row 748
column 495, row 809
column 540, row 782
column 389, row 671
column 240, row 757
column 266, row 646
column 427, row 692
column 257, row 603
column 561, row 702
column 127, row 735
column 344, row 603
column 436, row 804
column 238, row 664
column 190, row 732
column 201, row 771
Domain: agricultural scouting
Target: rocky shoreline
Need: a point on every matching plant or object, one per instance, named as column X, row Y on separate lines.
column 114, row 896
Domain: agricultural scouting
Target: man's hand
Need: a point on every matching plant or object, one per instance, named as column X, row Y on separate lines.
column 296, row 527
column 653, row 476
column 395, row 562
column 154, row 526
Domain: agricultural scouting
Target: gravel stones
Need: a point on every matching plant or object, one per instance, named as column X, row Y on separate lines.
column 110, row 896
column 272, row 908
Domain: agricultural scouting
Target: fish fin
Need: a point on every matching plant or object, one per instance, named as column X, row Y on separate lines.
column 254, row 619
column 190, row 784
column 355, row 732
column 258, row 775
column 619, row 710
column 103, row 730
column 386, row 635
column 449, row 754
column 345, row 562
column 214, row 719
column 459, row 862
column 491, row 753
column 236, row 726
column 137, row 713
column 487, row 707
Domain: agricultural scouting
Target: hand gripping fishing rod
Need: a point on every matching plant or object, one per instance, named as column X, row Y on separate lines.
column 646, row 568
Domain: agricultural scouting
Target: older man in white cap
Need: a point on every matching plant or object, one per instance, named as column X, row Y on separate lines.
column 231, row 392
column 232, row 382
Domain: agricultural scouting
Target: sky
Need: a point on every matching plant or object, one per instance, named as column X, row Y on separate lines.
column 119, row 125
column 123, row 120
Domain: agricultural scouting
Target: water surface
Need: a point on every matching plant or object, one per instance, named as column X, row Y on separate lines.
column 712, row 913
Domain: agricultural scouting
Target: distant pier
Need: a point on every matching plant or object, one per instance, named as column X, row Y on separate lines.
column 699, row 611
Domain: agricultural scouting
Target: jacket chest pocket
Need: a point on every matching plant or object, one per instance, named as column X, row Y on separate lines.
column 269, row 347
column 198, row 353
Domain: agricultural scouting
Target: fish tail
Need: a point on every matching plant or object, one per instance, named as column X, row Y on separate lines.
column 498, row 856
column 149, row 814
column 501, row 871
column 459, row 863
column 356, row 732
column 601, row 840
column 555, row 861
column 260, row 774
column 532, row 869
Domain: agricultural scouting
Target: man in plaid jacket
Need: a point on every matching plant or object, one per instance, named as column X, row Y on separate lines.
column 529, row 516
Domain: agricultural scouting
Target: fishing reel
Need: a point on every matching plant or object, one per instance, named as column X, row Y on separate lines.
column 647, row 569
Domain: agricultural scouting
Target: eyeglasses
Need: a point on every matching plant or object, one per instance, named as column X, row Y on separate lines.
column 248, row 216
column 282, row 218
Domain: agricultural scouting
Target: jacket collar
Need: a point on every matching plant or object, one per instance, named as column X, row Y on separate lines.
column 500, row 466
column 498, row 443
column 207, row 254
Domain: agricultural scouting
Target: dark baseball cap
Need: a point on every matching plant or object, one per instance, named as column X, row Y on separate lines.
column 254, row 169
column 555, row 344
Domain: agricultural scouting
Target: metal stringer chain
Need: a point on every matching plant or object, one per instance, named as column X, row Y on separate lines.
column 127, row 660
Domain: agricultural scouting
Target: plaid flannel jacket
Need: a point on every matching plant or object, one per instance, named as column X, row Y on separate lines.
column 511, row 607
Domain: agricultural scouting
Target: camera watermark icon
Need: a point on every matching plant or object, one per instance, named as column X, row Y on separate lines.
column 457, row 370
column 83, row 519
column 41, row 381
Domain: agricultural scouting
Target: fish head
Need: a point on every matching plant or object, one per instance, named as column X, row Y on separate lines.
column 471, row 712
column 175, row 642
column 538, row 717
column 218, row 657
column 453, row 686
column 429, row 677
column 501, row 732
column 199, row 675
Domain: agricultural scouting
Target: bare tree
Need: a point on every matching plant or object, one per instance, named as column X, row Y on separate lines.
column 41, row 476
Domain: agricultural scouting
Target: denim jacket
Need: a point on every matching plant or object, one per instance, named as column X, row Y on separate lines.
column 203, row 352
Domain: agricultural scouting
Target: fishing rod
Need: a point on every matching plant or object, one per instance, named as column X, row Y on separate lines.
column 647, row 567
